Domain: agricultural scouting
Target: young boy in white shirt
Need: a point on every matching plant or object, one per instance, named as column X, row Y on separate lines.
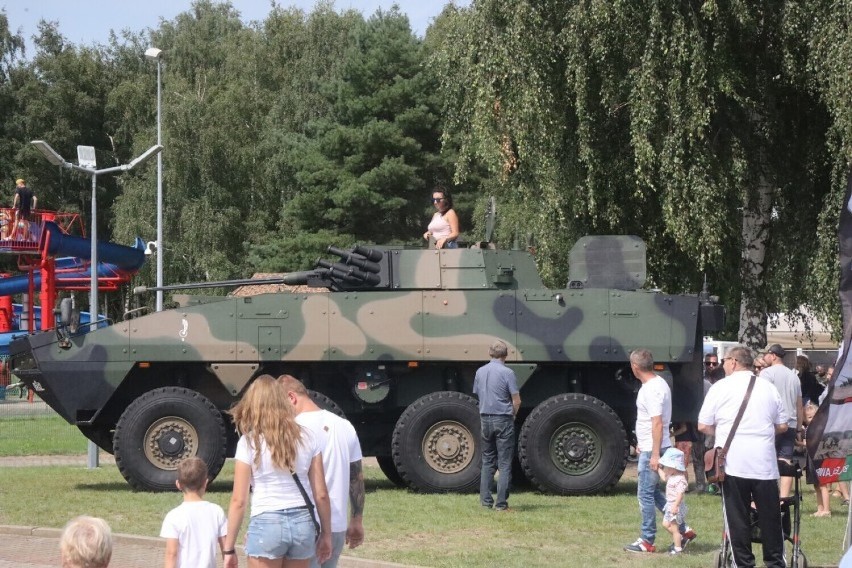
column 195, row 528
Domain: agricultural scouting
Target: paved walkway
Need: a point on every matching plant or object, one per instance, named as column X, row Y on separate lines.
column 34, row 547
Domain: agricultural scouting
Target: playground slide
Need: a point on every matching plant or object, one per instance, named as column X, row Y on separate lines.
column 114, row 260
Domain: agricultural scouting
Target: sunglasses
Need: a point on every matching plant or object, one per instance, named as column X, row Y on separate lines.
column 438, row 199
column 711, row 364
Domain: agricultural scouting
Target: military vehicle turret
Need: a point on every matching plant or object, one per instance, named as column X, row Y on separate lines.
column 392, row 342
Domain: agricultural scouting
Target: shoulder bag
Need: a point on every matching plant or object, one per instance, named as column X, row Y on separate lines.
column 308, row 502
column 714, row 458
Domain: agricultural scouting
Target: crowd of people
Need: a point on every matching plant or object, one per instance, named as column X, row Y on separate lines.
column 303, row 465
column 757, row 409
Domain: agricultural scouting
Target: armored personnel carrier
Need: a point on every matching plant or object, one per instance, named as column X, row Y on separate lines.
column 392, row 342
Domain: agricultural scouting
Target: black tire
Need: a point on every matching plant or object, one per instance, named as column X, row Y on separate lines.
column 573, row 444
column 389, row 469
column 163, row 427
column 326, row 403
column 99, row 435
column 435, row 443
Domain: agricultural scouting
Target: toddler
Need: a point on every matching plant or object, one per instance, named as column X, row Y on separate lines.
column 673, row 471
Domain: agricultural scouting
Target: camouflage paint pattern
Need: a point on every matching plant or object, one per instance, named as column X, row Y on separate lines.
column 424, row 328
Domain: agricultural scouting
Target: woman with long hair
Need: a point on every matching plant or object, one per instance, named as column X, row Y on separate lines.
column 443, row 229
column 272, row 452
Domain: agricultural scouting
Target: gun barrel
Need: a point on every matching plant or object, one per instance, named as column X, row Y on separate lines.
column 368, row 253
column 292, row 279
column 355, row 260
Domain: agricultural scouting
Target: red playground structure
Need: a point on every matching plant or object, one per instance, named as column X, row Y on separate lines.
column 52, row 256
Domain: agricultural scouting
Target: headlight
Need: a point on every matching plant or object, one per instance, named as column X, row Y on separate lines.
column 23, row 362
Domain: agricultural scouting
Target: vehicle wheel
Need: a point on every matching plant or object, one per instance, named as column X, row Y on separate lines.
column 573, row 444
column 101, row 436
column 435, row 443
column 326, row 403
column 163, row 427
column 389, row 469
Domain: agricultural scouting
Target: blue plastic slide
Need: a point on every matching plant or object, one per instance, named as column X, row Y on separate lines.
column 113, row 260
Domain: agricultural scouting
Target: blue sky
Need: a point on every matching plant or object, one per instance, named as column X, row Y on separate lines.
column 90, row 21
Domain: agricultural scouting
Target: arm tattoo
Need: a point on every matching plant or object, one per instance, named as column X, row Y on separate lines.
column 356, row 488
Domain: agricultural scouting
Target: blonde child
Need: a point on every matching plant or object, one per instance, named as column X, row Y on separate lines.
column 195, row 528
column 673, row 472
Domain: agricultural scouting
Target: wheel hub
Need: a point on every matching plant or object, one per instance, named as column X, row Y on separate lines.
column 170, row 440
column 448, row 446
column 575, row 449
column 171, row 443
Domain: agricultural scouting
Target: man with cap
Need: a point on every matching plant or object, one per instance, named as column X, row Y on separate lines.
column 790, row 389
column 24, row 202
column 496, row 387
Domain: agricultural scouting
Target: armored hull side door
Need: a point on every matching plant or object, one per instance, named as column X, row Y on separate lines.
column 283, row 327
column 563, row 325
column 647, row 319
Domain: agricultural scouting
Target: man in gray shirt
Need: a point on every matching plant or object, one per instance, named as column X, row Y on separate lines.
column 790, row 389
column 496, row 387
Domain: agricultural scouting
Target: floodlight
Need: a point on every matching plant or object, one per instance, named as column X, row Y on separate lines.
column 86, row 157
column 150, row 248
column 52, row 155
column 149, row 153
column 153, row 53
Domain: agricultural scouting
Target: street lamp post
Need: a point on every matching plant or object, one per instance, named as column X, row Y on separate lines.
column 155, row 54
column 90, row 168
column 86, row 157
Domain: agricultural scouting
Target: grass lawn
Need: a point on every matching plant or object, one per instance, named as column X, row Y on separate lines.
column 424, row 530
column 39, row 435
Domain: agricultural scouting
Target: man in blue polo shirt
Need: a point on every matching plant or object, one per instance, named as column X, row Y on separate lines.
column 499, row 400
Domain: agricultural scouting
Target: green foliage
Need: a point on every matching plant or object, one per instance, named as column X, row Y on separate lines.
column 718, row 132
column 11, row 48
column 677, row 123
column 367, row 168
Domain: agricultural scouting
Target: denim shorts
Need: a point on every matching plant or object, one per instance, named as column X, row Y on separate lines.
column 289, row 533
column 785, row 443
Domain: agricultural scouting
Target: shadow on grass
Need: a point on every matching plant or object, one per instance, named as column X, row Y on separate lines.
column 224, row 486
column 627, row 487
column 371, row 485
column 111, row 486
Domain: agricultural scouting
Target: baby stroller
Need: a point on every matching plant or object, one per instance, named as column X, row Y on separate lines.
column 790, row 522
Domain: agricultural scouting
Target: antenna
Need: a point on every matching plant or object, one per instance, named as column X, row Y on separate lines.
column 490, row 218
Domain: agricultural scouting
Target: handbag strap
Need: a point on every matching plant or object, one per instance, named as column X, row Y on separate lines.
column 307, row 499
column 739, row 414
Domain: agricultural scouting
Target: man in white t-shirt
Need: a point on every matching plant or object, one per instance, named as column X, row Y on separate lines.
column 653, row 416
column 341, row 458
column 751, row 466
column 790, row 389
